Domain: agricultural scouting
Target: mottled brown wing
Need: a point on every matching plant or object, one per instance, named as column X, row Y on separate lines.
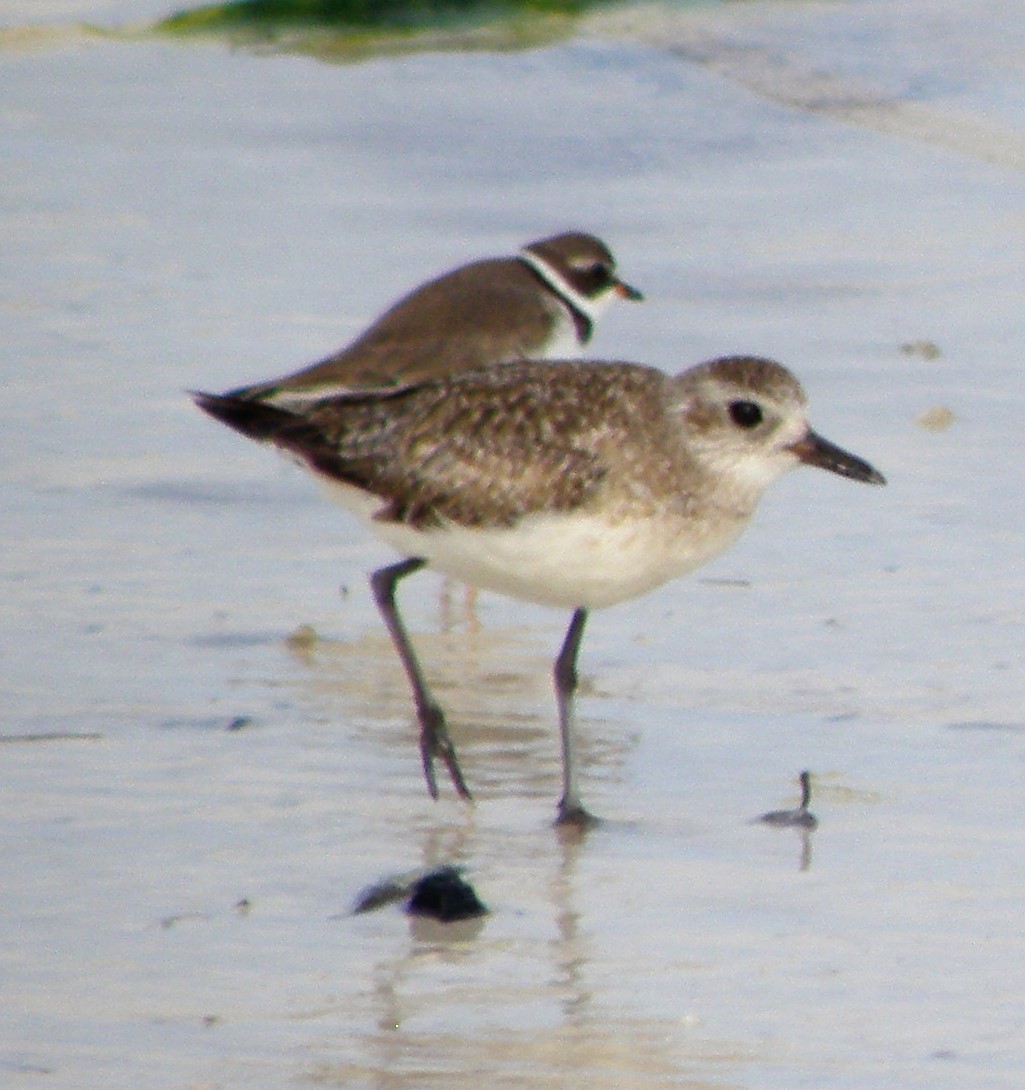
column 485, row 447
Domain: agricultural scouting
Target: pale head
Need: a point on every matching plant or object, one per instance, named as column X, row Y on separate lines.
column 580, row 268
column 745, row 423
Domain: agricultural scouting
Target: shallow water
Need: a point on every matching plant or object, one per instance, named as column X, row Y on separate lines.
column 192, row 803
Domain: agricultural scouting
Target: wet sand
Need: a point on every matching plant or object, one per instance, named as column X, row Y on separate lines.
column 192, row 802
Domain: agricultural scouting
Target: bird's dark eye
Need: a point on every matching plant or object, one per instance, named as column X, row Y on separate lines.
column 600, row 274
column 594, row 276
column 745, row 414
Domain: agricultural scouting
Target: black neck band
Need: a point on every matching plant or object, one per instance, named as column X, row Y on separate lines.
column 581, row 322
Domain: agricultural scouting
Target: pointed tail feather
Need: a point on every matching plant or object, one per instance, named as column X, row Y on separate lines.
column 286, row 430
column 255, row 419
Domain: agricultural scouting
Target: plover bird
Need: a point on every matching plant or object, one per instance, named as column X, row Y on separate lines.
column 540, row 304
column 800, row 817
column 577, row 485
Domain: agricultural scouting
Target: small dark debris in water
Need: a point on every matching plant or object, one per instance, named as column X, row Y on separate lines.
column 444, row 895
column 25, row 1067
column 303, row 638
column 213, row 722
column 181, row 917
column 210, row 1020
column 54, row 736
column 926, row 350
column 385, row 892
column 243, row 906
column 799, row 818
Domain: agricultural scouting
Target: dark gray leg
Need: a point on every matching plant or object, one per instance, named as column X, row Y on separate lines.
column 434, row 739
column 805, row 781
column 571, row 810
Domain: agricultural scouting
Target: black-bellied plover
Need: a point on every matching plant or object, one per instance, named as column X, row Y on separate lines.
column 576, row 485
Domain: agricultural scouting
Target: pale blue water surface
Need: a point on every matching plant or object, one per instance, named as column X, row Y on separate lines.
column 820, row 182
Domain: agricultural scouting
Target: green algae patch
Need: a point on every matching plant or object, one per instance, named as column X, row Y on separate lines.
column 345, row 29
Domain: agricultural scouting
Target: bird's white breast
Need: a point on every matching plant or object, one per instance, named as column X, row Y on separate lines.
column 568, row 559
column 563, row 341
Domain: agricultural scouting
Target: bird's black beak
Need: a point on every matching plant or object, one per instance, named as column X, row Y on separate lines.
column 813, row 450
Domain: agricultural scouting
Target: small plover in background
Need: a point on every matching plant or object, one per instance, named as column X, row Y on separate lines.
column 538, row 304
column 577, row 485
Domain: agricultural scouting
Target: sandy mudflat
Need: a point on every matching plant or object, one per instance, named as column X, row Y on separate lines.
column 824, row 183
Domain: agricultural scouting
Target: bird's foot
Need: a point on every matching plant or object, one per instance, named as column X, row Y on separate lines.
column 572, row 814
column 435, row 742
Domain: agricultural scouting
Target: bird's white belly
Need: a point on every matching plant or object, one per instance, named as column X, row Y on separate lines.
column 568, row 560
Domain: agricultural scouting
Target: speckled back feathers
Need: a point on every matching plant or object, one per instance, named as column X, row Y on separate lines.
column 488, row 447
